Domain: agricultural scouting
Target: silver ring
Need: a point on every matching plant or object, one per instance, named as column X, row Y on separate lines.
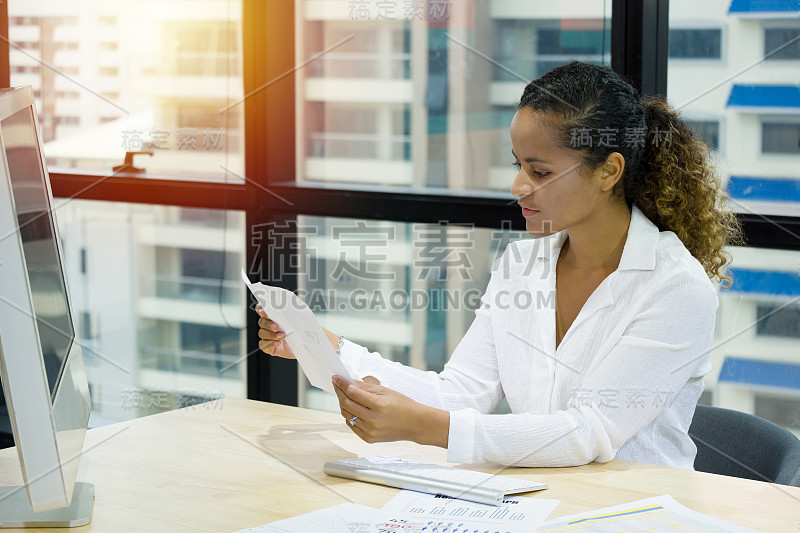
column 353, row 421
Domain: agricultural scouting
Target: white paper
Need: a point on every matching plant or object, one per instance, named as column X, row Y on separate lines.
column 654, row 514
column 304, row 335
column 416, row 512
column 344, row 518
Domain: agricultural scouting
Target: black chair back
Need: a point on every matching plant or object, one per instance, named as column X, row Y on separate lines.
column 742, row 445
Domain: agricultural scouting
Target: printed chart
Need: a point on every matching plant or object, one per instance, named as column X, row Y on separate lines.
column 655, row 515
column 424, row 513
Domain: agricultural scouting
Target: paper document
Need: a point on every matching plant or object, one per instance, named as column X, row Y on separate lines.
column 304, row 335
column 661, row 514
column 414, row 512
column 343, row 518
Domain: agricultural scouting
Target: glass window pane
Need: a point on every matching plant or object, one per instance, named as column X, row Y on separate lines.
column 780, row 137
column 757, row 337
column 708, row 131
column 407, row 291
column 756, row 350
column 422, row 93
column 695, row 43
column 159, row 303
column 743, row 108
column 113, row 77
column 782, row 43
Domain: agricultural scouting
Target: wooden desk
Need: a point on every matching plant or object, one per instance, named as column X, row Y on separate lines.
column 235, row 463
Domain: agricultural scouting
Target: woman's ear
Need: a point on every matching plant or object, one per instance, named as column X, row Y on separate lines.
column 611, row 171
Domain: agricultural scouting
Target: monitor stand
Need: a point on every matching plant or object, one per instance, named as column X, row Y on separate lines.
column 16, row 510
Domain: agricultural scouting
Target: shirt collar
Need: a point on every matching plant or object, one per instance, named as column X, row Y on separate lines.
column 639, row 252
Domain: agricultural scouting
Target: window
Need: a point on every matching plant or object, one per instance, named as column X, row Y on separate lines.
column 783, row 411
column 164, row 61
column 66, row 46
column 354, row 132
column 407, row 291
column 204, row 350
column 695, row 43
column 531, row 47
column 383, row 104
column 571, row 42
column 707, row 131
column 67, row 121
column 757, row 321
column 780, row 138
column 159, row 303
column 758, row 331
column 706, row 398
column 25, row 69
column 22, row 21
column 781, row 43
column 87, row 326
column 778, row 321
column 429, row 107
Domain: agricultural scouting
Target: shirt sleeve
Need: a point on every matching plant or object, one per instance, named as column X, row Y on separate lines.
column 470, row 379
column 665, row 345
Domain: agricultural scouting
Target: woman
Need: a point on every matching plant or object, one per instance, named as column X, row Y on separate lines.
column 598, row 332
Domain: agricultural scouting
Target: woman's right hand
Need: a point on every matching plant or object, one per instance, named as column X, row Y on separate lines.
column 272, row 338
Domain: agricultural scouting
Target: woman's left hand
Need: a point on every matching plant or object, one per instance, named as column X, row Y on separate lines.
column 385, row 415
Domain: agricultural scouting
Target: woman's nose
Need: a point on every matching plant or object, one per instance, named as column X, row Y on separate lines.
column 521, row 186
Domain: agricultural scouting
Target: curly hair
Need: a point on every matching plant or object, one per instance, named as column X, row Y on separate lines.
column 668, row 173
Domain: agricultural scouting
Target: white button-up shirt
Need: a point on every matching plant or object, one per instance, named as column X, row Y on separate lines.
column 623, row 382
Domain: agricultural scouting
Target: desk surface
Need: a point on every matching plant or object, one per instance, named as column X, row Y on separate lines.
column 235, row 463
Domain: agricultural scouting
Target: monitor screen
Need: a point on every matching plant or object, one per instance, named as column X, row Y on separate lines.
column 38, row 237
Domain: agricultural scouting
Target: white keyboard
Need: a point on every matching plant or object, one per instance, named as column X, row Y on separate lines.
column 431, row 478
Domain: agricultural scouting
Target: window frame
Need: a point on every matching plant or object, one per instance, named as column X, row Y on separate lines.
column 777, row 25
column 639, row 52
column 719, row 120
column 690, row 25
column 769, row 119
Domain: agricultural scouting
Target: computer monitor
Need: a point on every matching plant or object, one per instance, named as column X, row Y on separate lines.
column 41, row 365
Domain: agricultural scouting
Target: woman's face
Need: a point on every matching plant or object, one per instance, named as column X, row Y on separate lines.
column 553, row 189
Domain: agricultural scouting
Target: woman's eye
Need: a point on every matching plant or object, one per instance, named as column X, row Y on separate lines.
column 542, row 174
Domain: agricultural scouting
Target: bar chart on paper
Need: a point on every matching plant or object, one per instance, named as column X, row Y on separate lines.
column 465, row 511
column 432, row 514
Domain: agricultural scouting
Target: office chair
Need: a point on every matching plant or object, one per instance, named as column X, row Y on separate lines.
column 738, row 444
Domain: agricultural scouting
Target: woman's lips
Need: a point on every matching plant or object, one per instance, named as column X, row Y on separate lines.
column 528, row 212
